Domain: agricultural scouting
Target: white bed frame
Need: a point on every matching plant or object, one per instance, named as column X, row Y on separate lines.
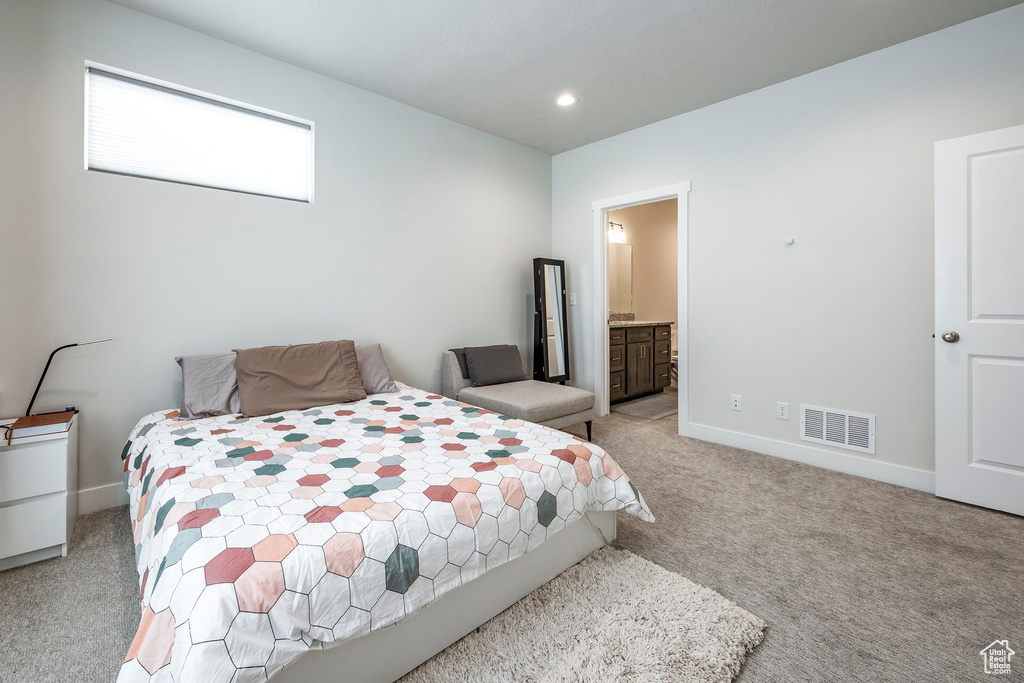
column 389, row 653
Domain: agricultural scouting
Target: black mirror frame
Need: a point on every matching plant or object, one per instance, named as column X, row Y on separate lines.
column 540, row 351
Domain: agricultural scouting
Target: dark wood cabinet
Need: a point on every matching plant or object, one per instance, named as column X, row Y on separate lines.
column 662, row 375
column 617, row 385
column 639, row 361
column 617, row 358
column 639, row 367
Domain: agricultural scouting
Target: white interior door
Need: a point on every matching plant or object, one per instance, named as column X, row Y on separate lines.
column 979, row 316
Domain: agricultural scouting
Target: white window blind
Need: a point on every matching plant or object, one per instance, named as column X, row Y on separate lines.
column 152, row 130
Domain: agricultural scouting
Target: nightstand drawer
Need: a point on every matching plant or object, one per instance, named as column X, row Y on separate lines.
column 32, row 469
column 32, row 526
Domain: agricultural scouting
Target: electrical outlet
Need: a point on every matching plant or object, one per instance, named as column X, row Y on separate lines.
column 782, row 410
column 572, row 299
column 737, row 403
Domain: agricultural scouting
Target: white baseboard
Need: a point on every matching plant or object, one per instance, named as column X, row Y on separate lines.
column 101, row 498
column 860, row 466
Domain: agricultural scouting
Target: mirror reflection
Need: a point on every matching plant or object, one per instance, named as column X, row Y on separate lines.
column 620, row 278
column 551, row 337
column 553, row 319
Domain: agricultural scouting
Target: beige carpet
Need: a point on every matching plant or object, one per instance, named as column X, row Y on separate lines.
column 612, row 617
column 858, row 580
column 72, row 618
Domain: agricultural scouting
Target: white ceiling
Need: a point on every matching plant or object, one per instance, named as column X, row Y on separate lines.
column 498, row 65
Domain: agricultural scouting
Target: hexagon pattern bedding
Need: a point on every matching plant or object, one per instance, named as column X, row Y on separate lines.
column 257, row 539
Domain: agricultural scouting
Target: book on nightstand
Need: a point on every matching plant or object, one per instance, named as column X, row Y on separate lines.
column 38, row 425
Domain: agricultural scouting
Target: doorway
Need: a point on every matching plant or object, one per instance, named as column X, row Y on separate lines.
column 644, row 297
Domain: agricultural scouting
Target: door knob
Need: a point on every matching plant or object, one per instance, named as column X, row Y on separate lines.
column 950, row 337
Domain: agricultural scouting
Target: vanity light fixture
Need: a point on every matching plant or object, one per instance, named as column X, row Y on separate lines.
column 616, row 233
column 566, row 100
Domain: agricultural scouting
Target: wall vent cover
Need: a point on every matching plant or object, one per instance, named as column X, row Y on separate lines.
column 842, row 428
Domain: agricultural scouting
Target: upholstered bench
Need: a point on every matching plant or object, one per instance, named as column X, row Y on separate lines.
column 553, row 405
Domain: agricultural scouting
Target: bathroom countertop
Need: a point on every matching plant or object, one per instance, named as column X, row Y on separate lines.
column 616, row 324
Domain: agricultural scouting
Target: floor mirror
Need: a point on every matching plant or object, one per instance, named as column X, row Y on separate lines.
column 551, row 334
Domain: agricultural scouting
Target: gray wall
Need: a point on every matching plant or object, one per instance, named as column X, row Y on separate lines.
column 841, row 160
column 421, row 236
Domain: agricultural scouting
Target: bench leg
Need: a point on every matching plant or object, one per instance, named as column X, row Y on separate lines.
column 590, row 424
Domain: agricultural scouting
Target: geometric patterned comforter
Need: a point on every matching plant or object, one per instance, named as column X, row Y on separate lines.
column 258, row 539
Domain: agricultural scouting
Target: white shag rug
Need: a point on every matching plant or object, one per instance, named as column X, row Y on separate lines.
column 613, row 616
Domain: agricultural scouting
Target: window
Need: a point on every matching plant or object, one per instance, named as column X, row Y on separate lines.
column 138, row 127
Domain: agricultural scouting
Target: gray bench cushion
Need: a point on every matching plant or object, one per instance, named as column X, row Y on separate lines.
column 530, row 400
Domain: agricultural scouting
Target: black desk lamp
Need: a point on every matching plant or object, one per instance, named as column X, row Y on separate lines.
column 50, row 360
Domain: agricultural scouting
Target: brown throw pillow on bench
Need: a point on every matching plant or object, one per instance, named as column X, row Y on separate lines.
column 494, row 364
column 272, row 379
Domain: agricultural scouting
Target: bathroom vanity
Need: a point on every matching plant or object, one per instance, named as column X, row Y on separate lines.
column 640, row 358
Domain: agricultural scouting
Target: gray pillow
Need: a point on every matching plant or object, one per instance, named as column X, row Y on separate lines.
column 373, row 369
column 494, row 364
column 208, row 385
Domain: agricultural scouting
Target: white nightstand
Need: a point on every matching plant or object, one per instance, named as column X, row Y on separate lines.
column 38, row 496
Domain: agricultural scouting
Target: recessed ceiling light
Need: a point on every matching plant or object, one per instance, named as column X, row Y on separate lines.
column 566, row 100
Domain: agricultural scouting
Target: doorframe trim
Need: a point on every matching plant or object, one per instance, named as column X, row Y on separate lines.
column 600, row 209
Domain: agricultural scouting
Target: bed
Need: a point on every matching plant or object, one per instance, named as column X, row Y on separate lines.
column 377, row 531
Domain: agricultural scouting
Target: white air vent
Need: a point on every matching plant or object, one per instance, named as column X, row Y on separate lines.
column 842, row 428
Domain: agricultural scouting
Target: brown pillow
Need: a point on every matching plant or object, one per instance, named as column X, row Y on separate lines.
column 272, row 379
column 494, row 364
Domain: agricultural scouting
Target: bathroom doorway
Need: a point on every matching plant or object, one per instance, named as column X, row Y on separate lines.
column 640, row 330
column 642, row 308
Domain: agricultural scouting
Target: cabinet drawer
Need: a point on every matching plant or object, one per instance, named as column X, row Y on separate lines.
column 617, row 358
column 32, row 526
column 662, row 352
column 617, row 385
column 663, row 333
column 639, row 334
column 662, row 375
column 32, row 469
column 617, row 336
